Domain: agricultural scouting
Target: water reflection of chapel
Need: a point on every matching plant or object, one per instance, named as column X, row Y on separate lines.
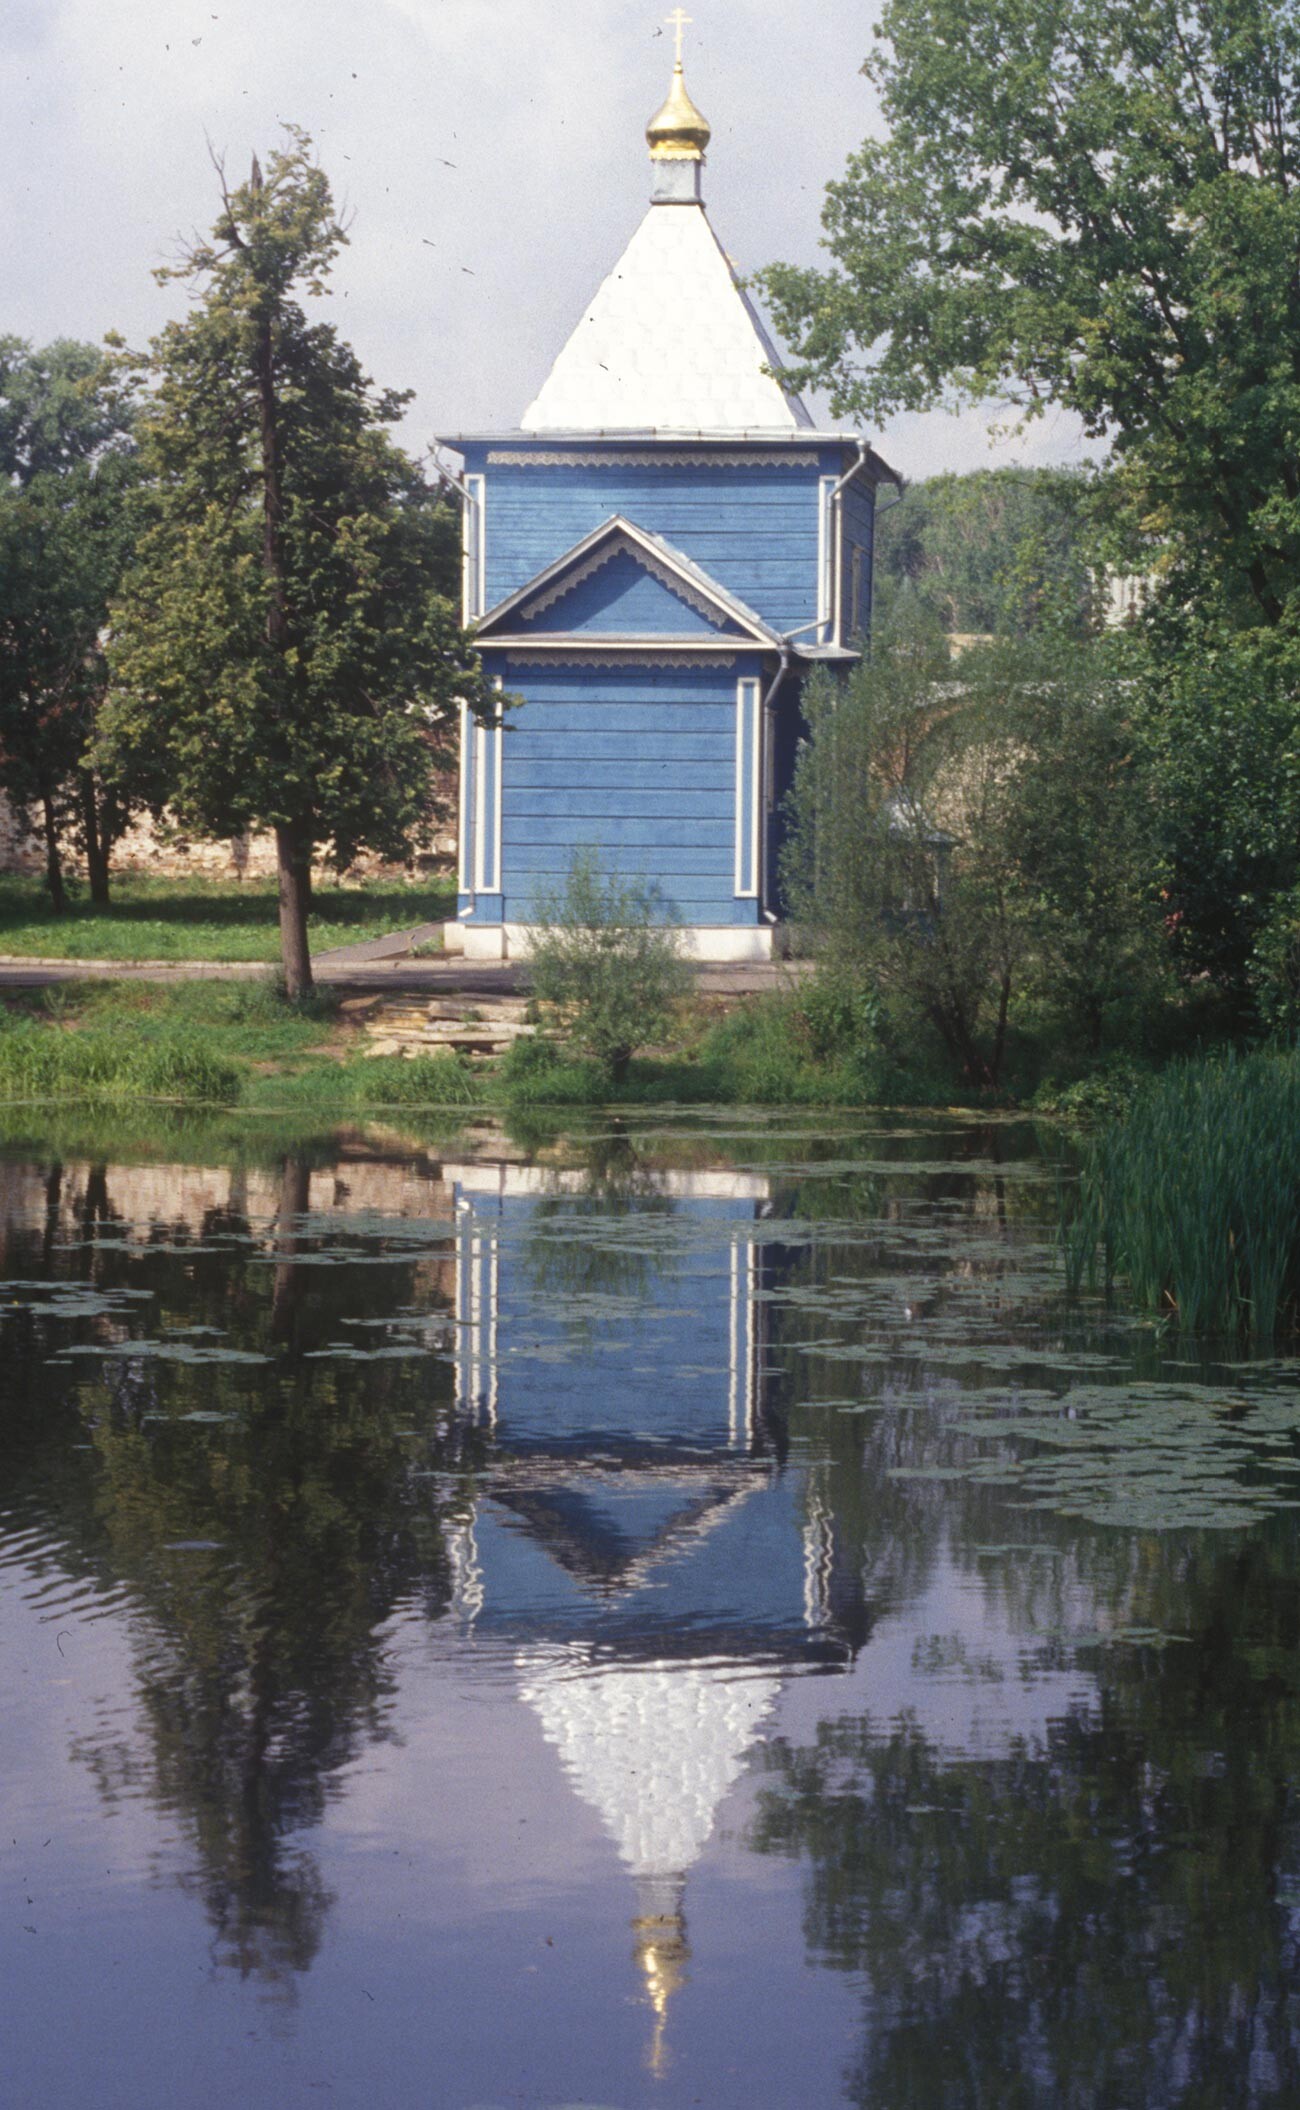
column 644, row 1541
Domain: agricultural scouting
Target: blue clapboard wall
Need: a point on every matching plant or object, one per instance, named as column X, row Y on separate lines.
column 616, row 1495
column 754, row 529
column 638, row 762
column 590, row 1301
column 622, row 600
column 672, row 764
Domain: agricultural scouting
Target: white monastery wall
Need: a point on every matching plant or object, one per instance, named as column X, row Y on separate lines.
column 151, row 852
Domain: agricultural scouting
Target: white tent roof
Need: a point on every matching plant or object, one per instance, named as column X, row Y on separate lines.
column 653, row 1749
column 669, row 344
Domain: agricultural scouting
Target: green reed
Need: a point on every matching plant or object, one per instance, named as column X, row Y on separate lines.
column 101, row 1063
column 1191, row 1200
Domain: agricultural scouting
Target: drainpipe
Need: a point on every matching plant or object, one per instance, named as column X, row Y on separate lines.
column 449, row 476
column 760, row 734
column 784, row 643
column 837, row 503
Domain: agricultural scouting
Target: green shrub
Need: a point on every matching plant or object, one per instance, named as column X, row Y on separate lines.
column 603, row 952
column 841, row 1018
column 1275, row 967
column 535, row 1072
column 817, row 1044
column 1100, row 1096
column 423, row 1080
column 1192, row 1198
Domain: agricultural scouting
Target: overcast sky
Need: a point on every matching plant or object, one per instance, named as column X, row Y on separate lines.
column 490, row 152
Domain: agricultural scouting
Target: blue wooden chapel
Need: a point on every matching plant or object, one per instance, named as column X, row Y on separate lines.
column 653, row 563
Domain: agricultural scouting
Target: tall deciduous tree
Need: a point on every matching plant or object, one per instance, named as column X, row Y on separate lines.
column 283, row 656
column 968, row 833
column 67, row 471
column 996, row 550
column 1092, row 204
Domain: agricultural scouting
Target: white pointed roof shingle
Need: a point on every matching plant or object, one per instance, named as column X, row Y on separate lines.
column 653, row 1749
column 669, row 344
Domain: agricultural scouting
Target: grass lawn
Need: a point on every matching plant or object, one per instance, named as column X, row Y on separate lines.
column 124, row 1055
column 206, row 919
column 245, row 1021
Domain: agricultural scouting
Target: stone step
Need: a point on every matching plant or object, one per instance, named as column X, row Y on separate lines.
column 486, row 1028
column 468, row 1025
column 410, row 1016
column 466, row 1039
column 443, row 1029
column 506, row 1007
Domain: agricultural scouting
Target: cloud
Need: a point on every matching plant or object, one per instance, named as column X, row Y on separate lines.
column 490, row 153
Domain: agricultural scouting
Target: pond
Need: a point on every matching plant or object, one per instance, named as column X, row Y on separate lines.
column 663, row 1613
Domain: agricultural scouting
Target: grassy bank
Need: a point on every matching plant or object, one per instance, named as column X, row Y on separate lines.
column 1191, row 1199
column 203, row 919
column 238, row 1043
column 208, row 1045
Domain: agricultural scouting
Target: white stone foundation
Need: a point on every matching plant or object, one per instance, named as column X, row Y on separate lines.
column 478, row 941
column 711, row 944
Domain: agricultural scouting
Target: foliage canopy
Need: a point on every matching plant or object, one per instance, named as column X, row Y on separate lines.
column 993, row 551
column 67, row 476
column 283, row 657
column 966, row 833
column 1093, row 204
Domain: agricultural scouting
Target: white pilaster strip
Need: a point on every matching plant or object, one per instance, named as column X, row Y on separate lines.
column 465, row 877
column 749, row 763
column 473, row 545
column 733, row 1387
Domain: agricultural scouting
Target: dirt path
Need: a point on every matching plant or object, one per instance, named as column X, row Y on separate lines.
column 358, row 969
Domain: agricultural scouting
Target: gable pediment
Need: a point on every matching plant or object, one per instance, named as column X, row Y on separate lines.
column 618, row 593
column 622, row 582
column 614, row 1533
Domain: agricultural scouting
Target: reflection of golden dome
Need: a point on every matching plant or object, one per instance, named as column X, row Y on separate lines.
column 663, row 1953
column 678, row 132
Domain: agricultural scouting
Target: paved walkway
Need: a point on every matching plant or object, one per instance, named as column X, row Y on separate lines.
column 373, row 967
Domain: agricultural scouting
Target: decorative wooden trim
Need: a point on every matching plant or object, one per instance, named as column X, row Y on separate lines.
column 622, row 546
column 741, row 1387
column 478, row 1303
column 668, row 458
column 487, row 763
column 567, row 655
column 767, row 786
column 679, row 573
column 498, row 729
column 473, row 542
column 827, row 556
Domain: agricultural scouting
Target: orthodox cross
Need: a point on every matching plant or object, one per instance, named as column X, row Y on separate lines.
column 678, row 20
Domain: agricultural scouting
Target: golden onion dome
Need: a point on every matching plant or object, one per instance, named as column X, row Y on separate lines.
column 678, row 132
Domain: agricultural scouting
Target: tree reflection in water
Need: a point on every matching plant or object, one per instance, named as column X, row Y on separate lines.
column 1109, row 1914
column 263, row 1547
